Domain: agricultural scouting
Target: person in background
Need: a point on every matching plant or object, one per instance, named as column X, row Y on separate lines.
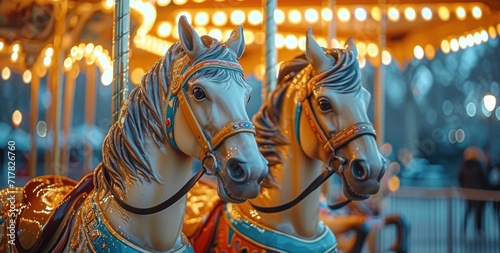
column 472, row 175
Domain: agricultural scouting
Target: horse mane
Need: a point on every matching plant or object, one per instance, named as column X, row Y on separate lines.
column 142, row 117
column 343, row 77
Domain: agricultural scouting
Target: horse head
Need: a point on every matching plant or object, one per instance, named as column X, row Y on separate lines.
column 334, row 125
column 212, row 95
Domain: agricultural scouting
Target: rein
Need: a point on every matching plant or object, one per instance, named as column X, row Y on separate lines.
column 182, row 73
column 330, row 145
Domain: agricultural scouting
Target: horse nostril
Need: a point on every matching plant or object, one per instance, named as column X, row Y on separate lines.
column 236, row 172
column 359, row 169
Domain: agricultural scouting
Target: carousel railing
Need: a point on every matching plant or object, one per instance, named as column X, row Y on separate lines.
column 436, row 217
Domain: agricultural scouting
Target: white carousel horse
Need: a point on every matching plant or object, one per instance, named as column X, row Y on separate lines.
column 190, row 104
column 317, row 115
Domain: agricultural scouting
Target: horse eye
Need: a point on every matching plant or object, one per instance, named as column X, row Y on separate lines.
column 324, row 105
column 198, row 93
column 249, row 97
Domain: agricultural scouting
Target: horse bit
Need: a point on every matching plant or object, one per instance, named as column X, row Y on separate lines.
column 182, row 74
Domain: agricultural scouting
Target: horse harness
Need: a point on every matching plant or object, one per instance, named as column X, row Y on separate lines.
column 181, row 73
column 330, row 144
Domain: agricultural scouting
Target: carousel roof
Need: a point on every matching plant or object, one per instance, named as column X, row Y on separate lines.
column 413, row 29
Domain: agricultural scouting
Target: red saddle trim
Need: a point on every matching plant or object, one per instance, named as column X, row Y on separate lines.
column 204, row 237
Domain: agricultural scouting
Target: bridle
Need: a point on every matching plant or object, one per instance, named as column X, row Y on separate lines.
column 182, row 72
column 330, row 144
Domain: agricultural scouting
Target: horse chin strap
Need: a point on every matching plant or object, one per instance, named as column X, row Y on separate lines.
column 181, row 74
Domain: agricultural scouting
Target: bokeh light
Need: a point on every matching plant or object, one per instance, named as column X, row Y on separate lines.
column 426, row 13
column 17, row 118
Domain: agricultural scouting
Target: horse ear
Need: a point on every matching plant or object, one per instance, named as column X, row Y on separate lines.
column 190, row 40
column 236, row 41
column 349, row 45
column 316, row 55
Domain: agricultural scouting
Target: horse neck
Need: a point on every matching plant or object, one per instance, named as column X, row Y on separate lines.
column 160, row 231
column 293, row 176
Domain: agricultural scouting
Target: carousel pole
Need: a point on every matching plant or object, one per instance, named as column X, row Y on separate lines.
column 270, row 53
column 331, row 26
column 68, row 115
column 121, row 36
column 35, row 86
column 379, row 101
column 56, row 85
column 90, row 101
column 379, row 77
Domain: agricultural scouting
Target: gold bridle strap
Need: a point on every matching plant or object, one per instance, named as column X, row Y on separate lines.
column 234, row 127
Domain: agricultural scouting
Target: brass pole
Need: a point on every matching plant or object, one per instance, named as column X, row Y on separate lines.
column 121, row 36
column 35, row 87
column 90, row 101
column 68, row 117
column 56, row 73
column 270, row 53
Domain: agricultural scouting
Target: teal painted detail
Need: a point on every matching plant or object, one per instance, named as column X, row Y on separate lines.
column 171, row 110
column 104, row 241
column 275, row 241
column 298, row 111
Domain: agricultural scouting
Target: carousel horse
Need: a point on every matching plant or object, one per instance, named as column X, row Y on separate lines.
column 190, row 104
column 316, row 115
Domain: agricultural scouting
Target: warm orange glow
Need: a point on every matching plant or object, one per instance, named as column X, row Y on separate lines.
column 107, row 77
column 444, row 13
column 291, row 42
column 136, row 75
column 460, row 13
column 492, row 32
column 164, row 29
column 162, row 2
column 219, row 18
column 426, row 13
column 14, row 56
column 311, row 15
column 279, row 16
column 361, row 46
column 47, row 61
column 477, row 13
column 27, row 76
column 429, row 51
column 294, row 16
column 279, row 41
column 454, row 45
column 49, row 51
column 343, row 14
column 249, row 37
column 360, row 14
column 5, row 73
column 375, row 13
column 410, row 14
column 386, row 57
column 393, row 14
column 17, row 118
column 393, row 183
column 201, row 18
column 237, row 17
column 254, row 17
column 1, row 45
column 372, row 50
column 445, row 46
column 418, row 52
column 326, row 14
column 67, row 63
column 179, row 2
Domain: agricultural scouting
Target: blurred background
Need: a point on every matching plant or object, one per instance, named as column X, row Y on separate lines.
column 432, row 67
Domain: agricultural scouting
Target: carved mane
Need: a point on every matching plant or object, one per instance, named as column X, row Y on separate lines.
column 142, row 117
